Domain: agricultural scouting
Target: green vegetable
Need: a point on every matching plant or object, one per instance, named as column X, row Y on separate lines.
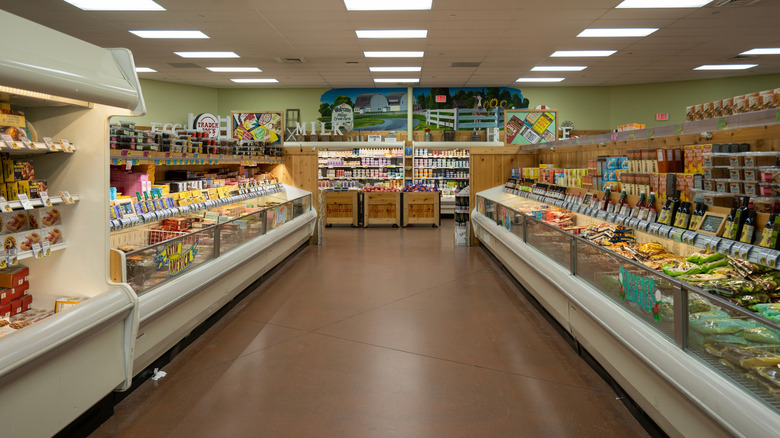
column 761, row 334
column 722, row 326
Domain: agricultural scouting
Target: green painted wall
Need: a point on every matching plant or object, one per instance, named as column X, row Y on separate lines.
column 278, row 99
column 587, row 107
column 167, row 102
column 640, row 103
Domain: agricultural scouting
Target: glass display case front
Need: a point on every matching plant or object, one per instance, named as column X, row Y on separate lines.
column 742, row 343
column 155, row 253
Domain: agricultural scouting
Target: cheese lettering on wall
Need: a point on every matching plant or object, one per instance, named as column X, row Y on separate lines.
column 175, row 259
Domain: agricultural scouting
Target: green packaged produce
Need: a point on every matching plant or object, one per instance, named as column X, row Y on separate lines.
column 761, row 334
column 705, row 257
column 711, row 314
column 697, row 304
column 721, row 326
column 766, row 308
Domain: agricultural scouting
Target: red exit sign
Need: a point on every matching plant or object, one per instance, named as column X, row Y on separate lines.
column 662, row 116
column 441, row 98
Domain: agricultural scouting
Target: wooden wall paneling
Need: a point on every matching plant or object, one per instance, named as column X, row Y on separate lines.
column 299, row 169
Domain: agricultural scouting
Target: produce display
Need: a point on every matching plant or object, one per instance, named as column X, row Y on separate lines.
column 372, row 189
column 419, row 188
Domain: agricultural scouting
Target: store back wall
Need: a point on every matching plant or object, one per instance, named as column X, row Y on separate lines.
column 589, row 108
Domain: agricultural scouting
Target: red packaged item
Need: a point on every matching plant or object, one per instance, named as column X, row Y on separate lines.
column 26, row 302
column 17, row 306
column 14, row 276
column 5, row 310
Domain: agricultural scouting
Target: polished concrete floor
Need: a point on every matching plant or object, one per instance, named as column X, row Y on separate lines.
column 379, row 332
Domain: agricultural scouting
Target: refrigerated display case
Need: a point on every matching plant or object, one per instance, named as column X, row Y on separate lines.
column 57, row 368
column 695, row 362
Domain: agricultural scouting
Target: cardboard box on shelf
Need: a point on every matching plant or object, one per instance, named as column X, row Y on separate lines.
column 11, row 190
column 8, row 170
column 5, row 310
column 24, row 170
column 14, row 277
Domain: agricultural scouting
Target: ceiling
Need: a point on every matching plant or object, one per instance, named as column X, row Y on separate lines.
column 507, row 38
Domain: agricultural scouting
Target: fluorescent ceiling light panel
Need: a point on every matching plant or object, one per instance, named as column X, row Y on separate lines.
column 581, row 53
column 392, row 33
column 647, row 4
column 255, row 81
column 145, row 70
column 188, row 34
column 397, row 80
column 539, row 79
column 559, row 68
column 207, row 54
column 725, row 66
column 396, row 69
column 763, row 51
column 617, row 32
column 116, row 5
column 388, row 5
column 394, row 54
column 235, row 69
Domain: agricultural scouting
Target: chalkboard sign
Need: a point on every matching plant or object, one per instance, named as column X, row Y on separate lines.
column 586, row 200
column 712, row 223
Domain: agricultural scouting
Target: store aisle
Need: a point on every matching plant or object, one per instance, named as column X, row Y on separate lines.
column 378, row 333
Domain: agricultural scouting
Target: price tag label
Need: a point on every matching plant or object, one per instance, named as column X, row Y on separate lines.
column 27, row 143
column 37, row 145
column 46, row 248
column 9, row 141
column 653, row 229
column 725, row 246
column 601, row 215
column 664, row 231
column 769, row 257
column 45, row 198
column 4, row 207
column 676, row 235
column 115, row 225
column 50, row 144
column 689, row 237
column 741, row 250
column 37, row 251
column 642, row 225
column 66, row 147
column 610, row 217
column 26, row 203
column 125, row 222
column 12, row 257
column 66, row 198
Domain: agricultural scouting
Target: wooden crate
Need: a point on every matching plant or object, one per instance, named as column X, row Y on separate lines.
column 341, row 208
column 382, row 208
column 422, row 208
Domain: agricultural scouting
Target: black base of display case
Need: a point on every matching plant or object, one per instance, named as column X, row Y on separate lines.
column 636, row 411
column 99, row 413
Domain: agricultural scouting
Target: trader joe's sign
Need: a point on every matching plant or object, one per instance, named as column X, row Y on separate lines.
column 175, row 258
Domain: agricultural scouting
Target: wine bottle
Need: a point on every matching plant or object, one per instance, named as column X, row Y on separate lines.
column 605, row 201
column 663, row 215
column 684, row 216
column 740, row 218
column 673, row 208
column 640, row 205
column 696, row 217
column 728, row 227
column 749, row 228
column 651, row 213
column 766, row 234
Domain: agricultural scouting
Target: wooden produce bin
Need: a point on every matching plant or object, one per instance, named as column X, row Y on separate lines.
column 382, row 208
column 422, row 208
column 341, row 208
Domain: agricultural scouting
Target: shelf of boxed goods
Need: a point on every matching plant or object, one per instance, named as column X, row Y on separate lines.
column 732, row 122
column 130, row 158
column 456, row 153
column 694, row 361
column 176, row 211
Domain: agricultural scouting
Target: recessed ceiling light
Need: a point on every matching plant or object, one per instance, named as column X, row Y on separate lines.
column 388, row 5
column 725, row 67
column 581, row 53
column 235, row 69
column 397, row 80
column 190, row 34
column 395, row 69
column 254, row 81
column 116, row 5
column 207, row 54
column 394, row 54
column 145, row 70
column 539, row 79
column 663, row 3
column 763, row 51
column 617, row 32
column 392, row 33
column 559, row 68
